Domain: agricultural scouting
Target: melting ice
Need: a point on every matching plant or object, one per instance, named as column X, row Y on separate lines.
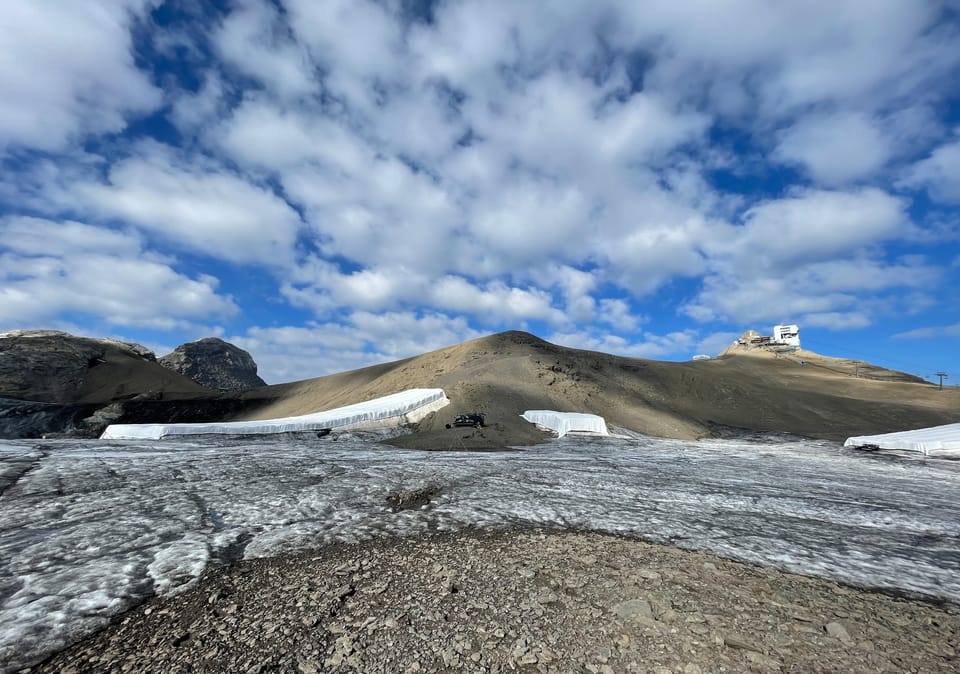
column 89, row 528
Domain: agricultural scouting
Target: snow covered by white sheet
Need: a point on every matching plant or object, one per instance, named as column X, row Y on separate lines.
column 393, row 410
column 934, row 439
column 567, row 422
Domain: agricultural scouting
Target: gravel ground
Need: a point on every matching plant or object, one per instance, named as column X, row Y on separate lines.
column 522, row 601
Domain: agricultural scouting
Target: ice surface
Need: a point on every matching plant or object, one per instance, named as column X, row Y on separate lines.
column 393, row 410
column 936, row 439
column 89, row 528
column 567, row 422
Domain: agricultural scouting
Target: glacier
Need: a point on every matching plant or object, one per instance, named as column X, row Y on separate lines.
column 90, row 528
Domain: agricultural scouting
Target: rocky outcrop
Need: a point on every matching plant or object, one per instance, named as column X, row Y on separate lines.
column 53, row 366
column 27, row 419
column 215, row 364
column 53, row 383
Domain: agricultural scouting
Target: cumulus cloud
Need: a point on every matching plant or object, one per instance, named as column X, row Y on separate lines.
column 322, row 287
column 292, row 353
column 715, row 343
column 255, row 40
column 939, row 173
column 67, row 70
column 198, row 205
column 750, row 58
column 813, row 224
column 495, row 299
column 835, row 149
column 52, row 267
column 816, row 294
column 677, row 344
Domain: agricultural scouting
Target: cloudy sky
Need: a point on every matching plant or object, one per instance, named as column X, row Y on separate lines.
column 333, row 183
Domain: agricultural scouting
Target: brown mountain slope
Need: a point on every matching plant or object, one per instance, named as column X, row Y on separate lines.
column 502, row 375
column 121, row 375
column 56, row 367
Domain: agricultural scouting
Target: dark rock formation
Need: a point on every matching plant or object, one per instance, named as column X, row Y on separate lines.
column 215, row 364
column 21, row 419
column 146, row 410
column 27, row 419
column 53, row 366
column 53, row 383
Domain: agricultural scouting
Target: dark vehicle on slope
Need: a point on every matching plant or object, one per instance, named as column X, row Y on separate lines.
column 474, row 419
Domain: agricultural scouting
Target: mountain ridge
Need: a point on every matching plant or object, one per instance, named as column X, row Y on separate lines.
column 506, row 373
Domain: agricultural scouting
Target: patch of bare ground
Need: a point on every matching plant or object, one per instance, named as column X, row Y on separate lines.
column 523, row 601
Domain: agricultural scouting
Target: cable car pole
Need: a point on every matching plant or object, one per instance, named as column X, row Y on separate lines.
column 942, row 375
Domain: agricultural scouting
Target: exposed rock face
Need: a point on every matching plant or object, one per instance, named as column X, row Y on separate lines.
column 27, row 419
column 53, row 383
column 215, row 364
column 53, row 366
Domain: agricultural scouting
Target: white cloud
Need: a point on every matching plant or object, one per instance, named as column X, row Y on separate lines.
column 836, row 148
column 53, row 267
column 267, row 136
column 527, row 223
column 199, row 206
column 255, row 40
column 837, row 320
column 402, row 334
column 676, row 345
column 714, row 344
column 814, row 224
column 494, row 302
column 655, row 250
column 814, row 257
column 617, row 314
column 322, row 287
column 756, row 58
column 293, row 353
column 939, row 174
column 67, row 70
column 39, row 237
column 359, row 37
column 752, row 299
column 932, row 332
column 838, row 293
column 192, row 112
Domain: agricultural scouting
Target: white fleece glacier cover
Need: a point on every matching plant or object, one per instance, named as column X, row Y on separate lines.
column 567, row 422
column 405, row 407
column 934, row 439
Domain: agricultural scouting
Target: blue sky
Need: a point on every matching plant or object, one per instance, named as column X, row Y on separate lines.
column 330, row 184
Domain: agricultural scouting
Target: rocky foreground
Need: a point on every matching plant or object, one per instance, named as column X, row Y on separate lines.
column 525, row 601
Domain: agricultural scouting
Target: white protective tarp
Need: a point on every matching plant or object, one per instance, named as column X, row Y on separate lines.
column 926, row 440
column 567, row 422
column 393, row 410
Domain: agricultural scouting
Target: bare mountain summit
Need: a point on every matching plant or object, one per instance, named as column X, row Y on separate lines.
column 503, row 375
column 215, row 364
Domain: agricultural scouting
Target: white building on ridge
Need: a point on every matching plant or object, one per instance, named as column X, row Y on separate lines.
column 786, row 334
